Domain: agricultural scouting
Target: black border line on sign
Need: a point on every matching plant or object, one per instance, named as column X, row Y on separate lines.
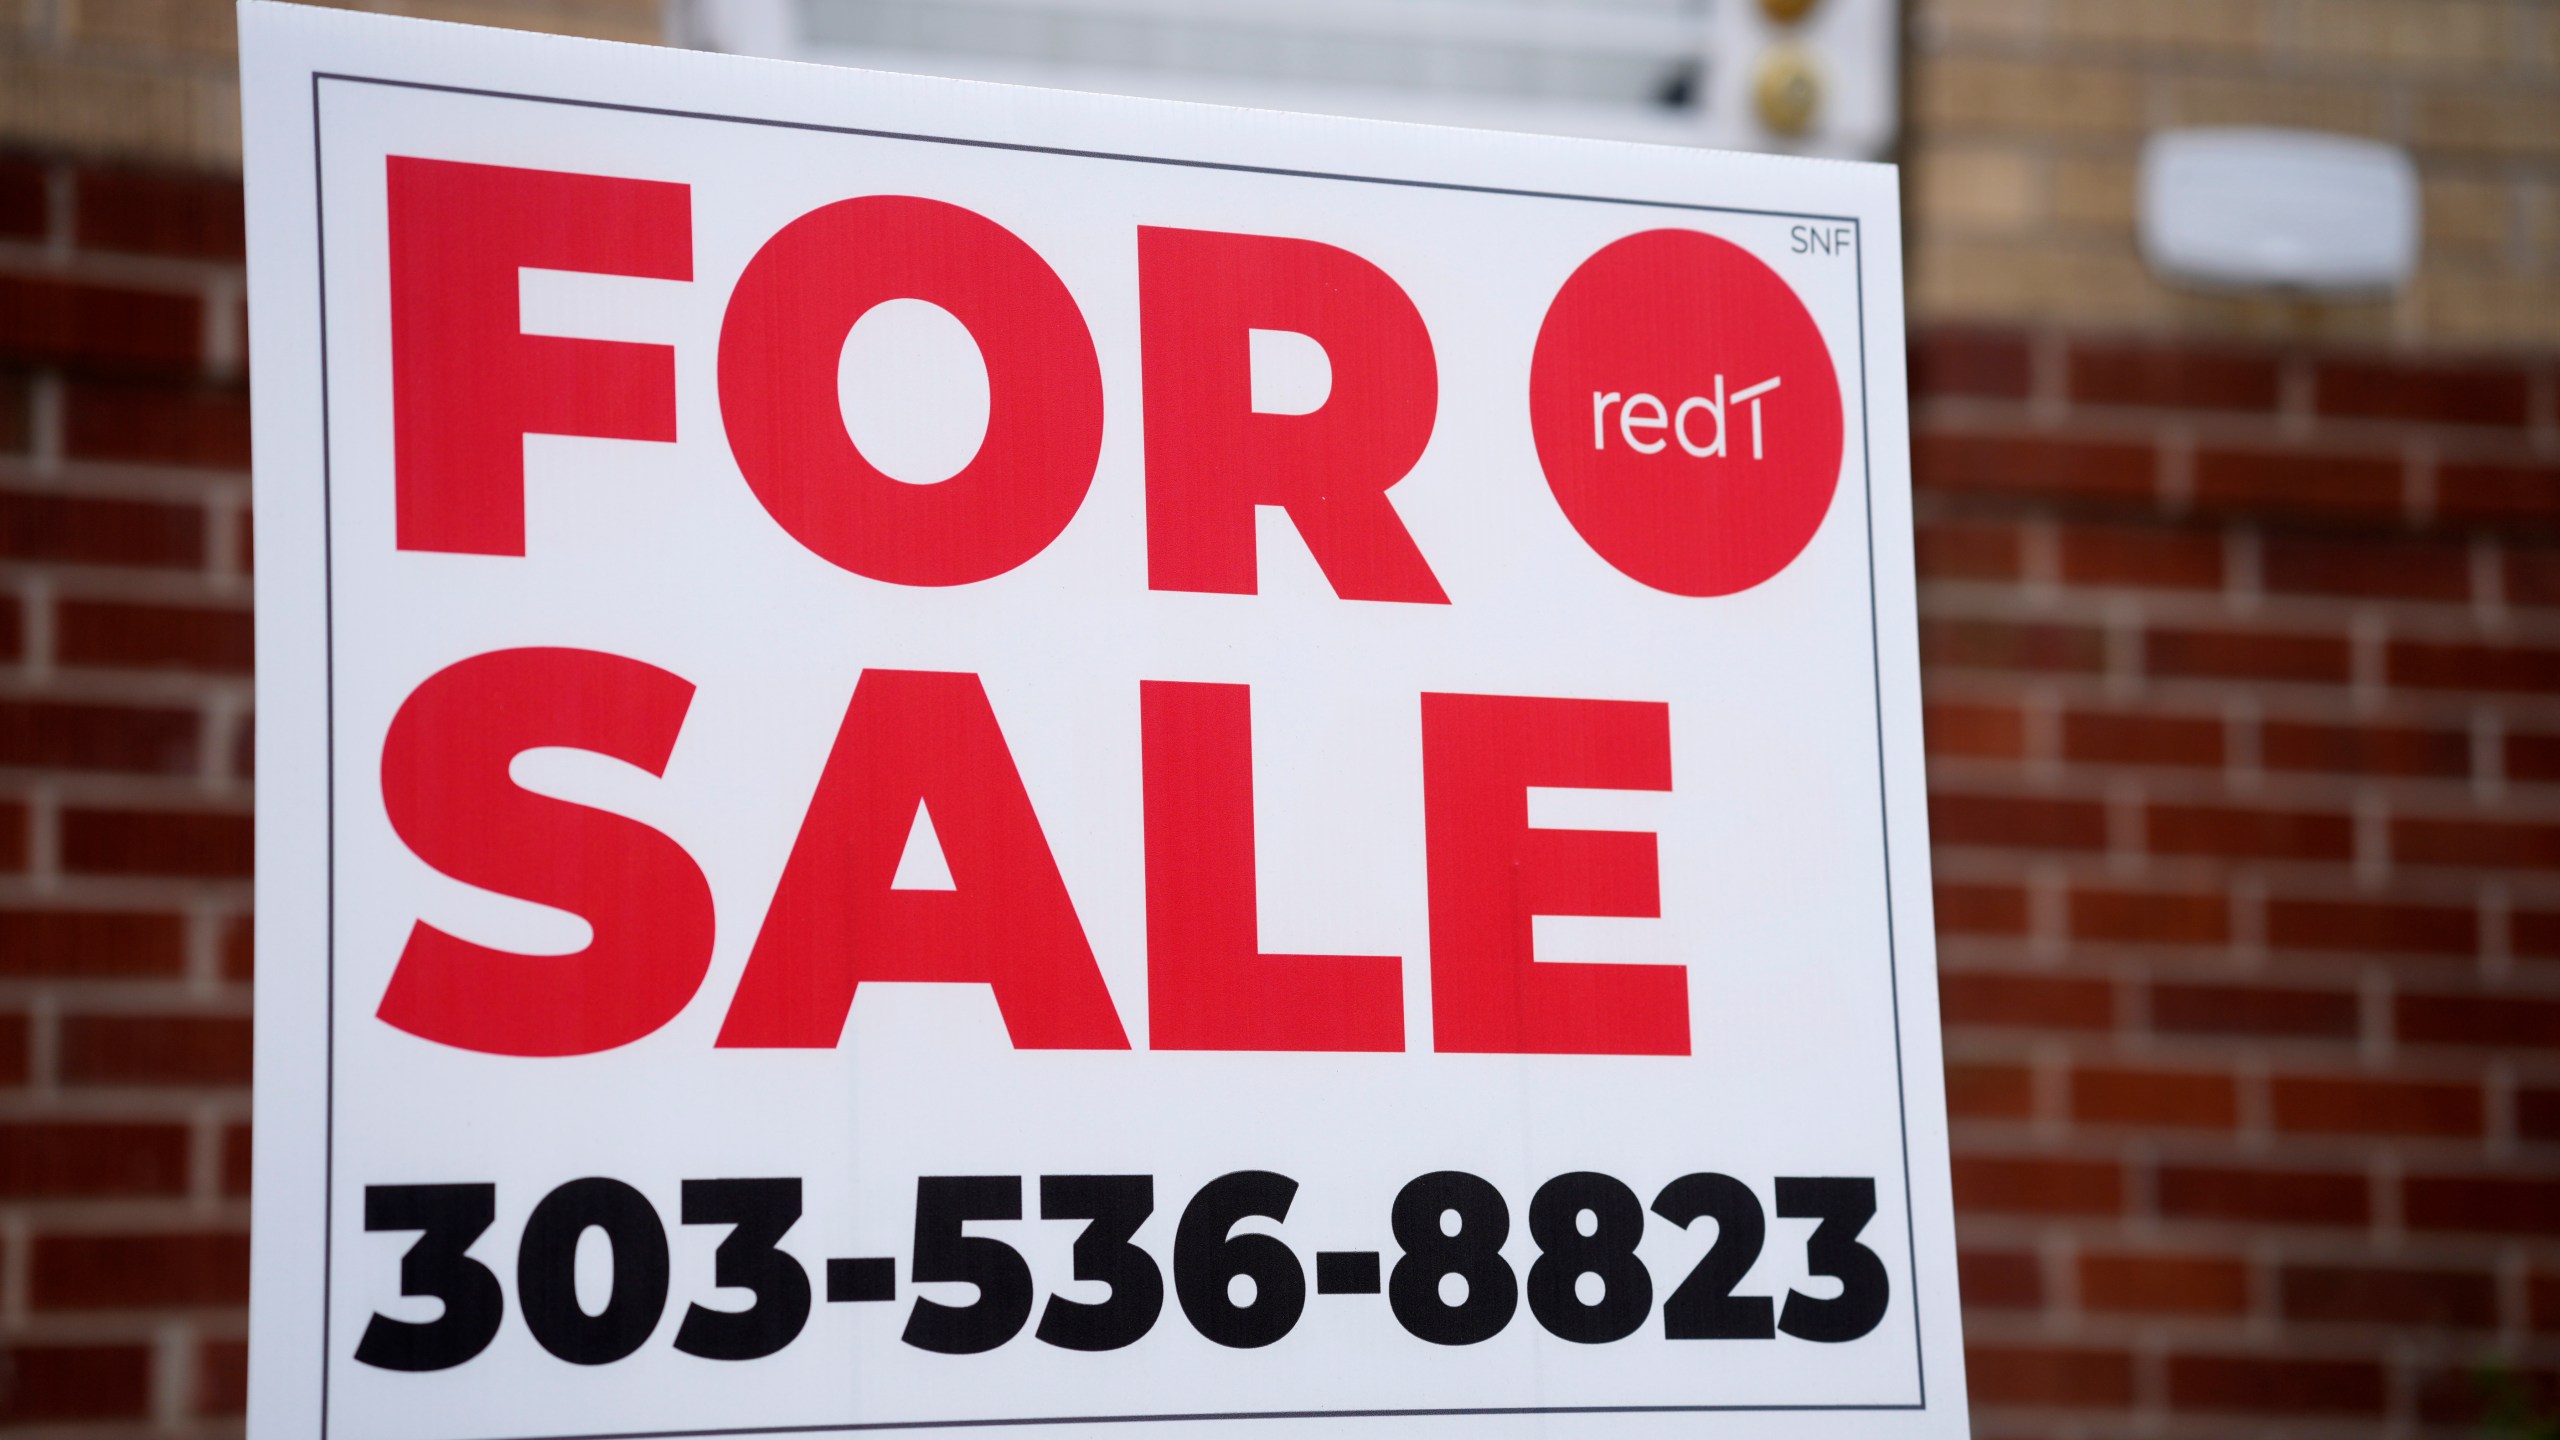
column 329, row 671
column 329, row 778
column 1884, row 828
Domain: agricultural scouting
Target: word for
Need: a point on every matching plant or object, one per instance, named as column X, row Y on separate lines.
column 1241, row 1289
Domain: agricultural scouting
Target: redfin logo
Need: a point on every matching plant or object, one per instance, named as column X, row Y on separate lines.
column 1644, row 411
column 1719, row 489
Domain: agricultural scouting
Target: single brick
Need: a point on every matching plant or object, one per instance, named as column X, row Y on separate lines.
column 2479, row 844
column 2363, row 925
column 2048, row 1378
column 1947, row 360
column 198, row 844
column 2326, row 1105
column 2532, row 757
column 1999, row 1279
column 1980, row 909
column 2101, row 737
column 76, row 1382
column 82, row 530
column 2247, row 655
column 2022, row 1186
column 2529, row 575
column 1965, row 550
column 2259, row 1010
column 13, row 835
column 2144, row 558
column 2154, row 1284
column 159, row 212
column 2019, row 465
column 2363, row 749
column 2275, row 1385
column 2538, row 1113
column 2495, row 494
column 240, row 949
column 2105, row 1095
column 1997, row 732
column 54, row 1160
column 2501, row 1021
column 2281, row 1197
column 2240, row 832
column 2020, row 821
column 24, row 212
column 2183, row 377
column 15, row 1048
column 128, row 1272
column 17, row 421
column 2542, row 1302
column 2464, row 1396
column 2450, row 394
column 2372, row 1295
column 2285, row 484
column 48, row 321
column 2150, row 917
column 2034, row 1002
column 2489, row 1204
column 1997, row 645
column 1990, row 1092
column 2515, row 669
column 222, row 1378
column 90, row 944
column 236, row 1155
column 157, row 424
column 133, row 636
column 62, row 735
column 155, row 1050
column 13, row 628
column 2391, row 570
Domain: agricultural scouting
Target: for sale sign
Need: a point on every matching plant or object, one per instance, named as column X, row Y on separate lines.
column 941, row 755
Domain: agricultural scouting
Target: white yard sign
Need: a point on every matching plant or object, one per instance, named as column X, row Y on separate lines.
column 937, row 754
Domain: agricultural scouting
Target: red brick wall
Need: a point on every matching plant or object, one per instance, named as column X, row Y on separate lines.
column 124, row 799
column 2243, row 674
column 2244, row 683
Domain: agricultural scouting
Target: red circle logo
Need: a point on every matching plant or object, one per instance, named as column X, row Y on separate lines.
column 1686, row 413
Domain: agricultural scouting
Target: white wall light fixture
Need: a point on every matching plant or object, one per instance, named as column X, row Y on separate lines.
column 2302, row 210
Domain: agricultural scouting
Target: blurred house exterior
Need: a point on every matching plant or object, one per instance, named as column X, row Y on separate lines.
column 2242, row 625
column 2242, row 645
column 1788, row 75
